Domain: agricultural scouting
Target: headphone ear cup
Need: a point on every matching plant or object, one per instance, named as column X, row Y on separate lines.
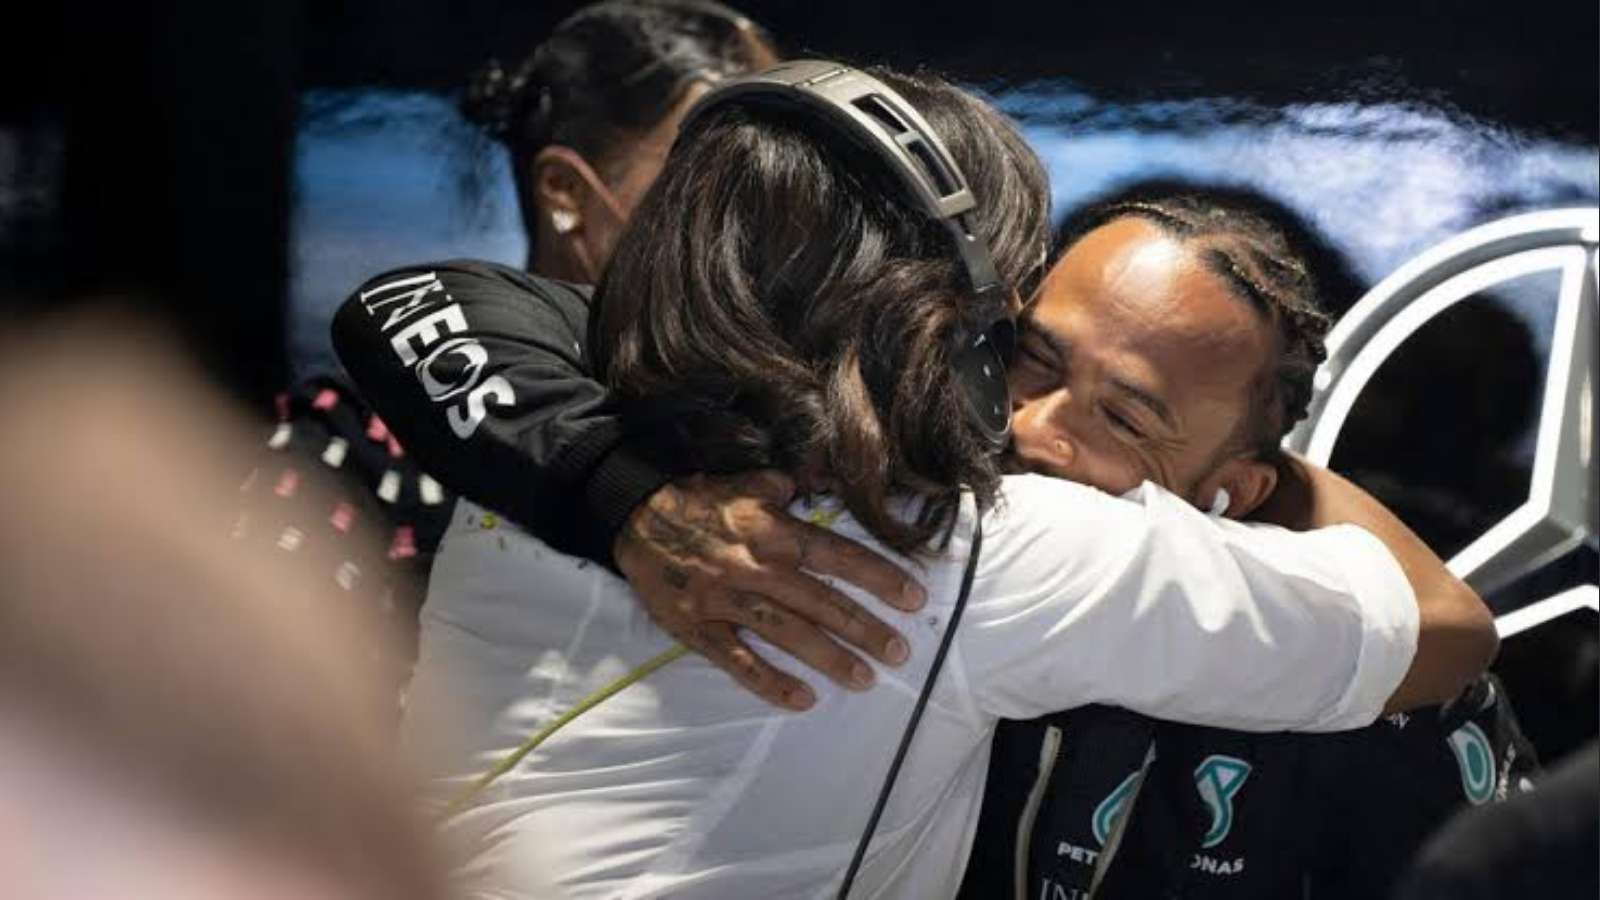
column 982, row 376
column 1003, row 334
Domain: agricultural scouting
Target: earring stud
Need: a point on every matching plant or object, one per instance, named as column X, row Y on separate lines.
column 563, row 220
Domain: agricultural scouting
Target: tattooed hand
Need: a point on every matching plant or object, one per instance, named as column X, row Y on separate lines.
column 712, row 555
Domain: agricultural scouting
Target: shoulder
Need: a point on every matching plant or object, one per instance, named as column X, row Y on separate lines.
column 513, row 280
column 1030, row 506
column 1045, row 537
column 480, row 281
column 1026, row 497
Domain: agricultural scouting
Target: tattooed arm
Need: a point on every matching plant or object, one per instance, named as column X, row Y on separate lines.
column 713, row 555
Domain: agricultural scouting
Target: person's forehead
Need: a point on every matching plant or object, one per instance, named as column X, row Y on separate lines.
column 1146, row 296
column 1125, row 254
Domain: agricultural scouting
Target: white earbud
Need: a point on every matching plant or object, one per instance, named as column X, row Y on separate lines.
column 1219, row 504
column 563, row 220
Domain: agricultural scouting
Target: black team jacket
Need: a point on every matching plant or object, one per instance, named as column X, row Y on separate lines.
column 1225, row 814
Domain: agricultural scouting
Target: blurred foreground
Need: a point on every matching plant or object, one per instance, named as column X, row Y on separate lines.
column 182, row 715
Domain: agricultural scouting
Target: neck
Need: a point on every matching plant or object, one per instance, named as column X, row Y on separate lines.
column 548, row 258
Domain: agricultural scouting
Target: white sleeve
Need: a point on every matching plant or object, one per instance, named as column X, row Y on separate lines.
column 1148, row 604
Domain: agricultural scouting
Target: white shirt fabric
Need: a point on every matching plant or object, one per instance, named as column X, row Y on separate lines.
column 685, row 785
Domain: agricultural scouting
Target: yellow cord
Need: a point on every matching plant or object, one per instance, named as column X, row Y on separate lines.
column 822, row 517
column 477, row 787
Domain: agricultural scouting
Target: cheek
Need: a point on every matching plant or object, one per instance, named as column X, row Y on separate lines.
column 1029, row 430
column 1048, row 444
column 1115, row 471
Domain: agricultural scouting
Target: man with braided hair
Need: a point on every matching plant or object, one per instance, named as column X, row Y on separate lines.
column 1175, row 341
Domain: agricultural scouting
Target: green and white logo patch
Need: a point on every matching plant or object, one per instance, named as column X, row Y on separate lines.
column 1476, row 759
column 1110, row 809
column 1218, row 779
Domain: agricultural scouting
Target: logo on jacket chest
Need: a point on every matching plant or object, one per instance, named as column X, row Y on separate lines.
column 1218, row 778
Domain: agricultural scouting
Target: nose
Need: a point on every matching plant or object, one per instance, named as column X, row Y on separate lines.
column 1041, row 437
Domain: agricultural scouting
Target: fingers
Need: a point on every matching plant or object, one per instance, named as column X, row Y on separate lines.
column 708, row 555
column 798, row 637
column 834, row 612
column 826, row 553
column 719, row 642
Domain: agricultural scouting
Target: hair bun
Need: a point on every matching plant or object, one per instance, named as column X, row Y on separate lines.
column 490, row 100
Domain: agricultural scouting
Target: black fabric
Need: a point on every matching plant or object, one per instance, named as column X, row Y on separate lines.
column 1388, row 787
column 1333, row 815
column 1543, row 844
column 480, row 369
column 333, row 485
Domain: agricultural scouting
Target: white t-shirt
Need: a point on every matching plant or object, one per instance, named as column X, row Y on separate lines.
column 685, row 785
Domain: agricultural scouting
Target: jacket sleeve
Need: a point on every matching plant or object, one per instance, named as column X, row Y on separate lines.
column 1146, row 603
column 480, row 372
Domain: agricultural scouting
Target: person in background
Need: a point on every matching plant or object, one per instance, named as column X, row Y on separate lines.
column 587, row 118
column 589, row 115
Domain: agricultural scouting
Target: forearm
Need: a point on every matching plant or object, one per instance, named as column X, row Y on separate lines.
column 1456, row 640
column 479, row 372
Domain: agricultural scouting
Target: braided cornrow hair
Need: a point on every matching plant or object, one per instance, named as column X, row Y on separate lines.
column 1261, row 251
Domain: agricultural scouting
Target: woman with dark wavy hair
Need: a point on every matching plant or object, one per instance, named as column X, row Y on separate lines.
column 778, row 303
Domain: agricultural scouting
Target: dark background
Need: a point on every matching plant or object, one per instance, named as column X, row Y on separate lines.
column 142, row 125
column 1528, row 64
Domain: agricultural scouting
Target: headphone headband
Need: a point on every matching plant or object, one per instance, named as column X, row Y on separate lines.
column 874, row 116
column 871, row 112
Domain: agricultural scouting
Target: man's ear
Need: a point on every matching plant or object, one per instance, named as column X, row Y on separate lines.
column 1248, row 480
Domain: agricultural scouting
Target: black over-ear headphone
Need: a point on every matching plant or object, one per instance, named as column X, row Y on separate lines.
column 872, row 116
